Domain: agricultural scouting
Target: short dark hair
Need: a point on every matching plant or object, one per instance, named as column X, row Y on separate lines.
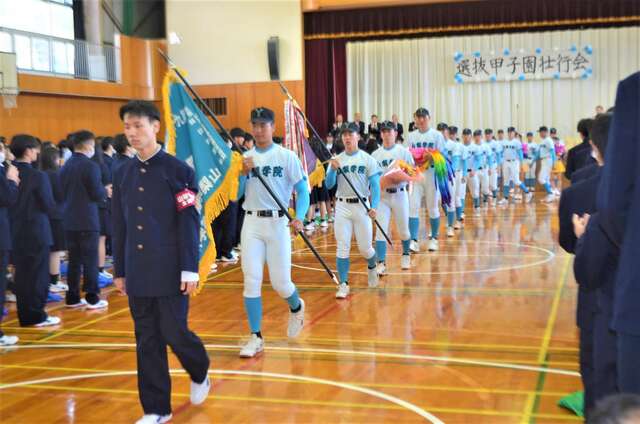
column 21, row 142
column 140, row 108
column 49, row 158
column 600, row 132
column 616, row 409
column 120, row 144
column 82, row 137
column 106, row 142
column 584, row 125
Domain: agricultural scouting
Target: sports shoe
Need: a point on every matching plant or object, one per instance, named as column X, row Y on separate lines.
column 229, row 258
column 58, row 287
column 457, row 225
column 199, row 392
column 433, row 245
column 50, row 321
column 372, row 277
column 502, row 202
column 414, row 246
column 8, row 340
column 518, row 196
column 528, row 197
column 154, row 419
column 405, row 262
column 450, row 232
column 381, row 268
column 10, row 298
column 324, row 224
column 310, row 226
column 549, row 198
column 556, row 192
column 81, row 304
column 330, row 219
column 100, row 304
column 106, row 275
column 343, row 291
column 254, row 346
column 462, row 216
column 296, row 321
column 214, row 267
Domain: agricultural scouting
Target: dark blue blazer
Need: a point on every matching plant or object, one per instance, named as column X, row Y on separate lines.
column 108, row 160
column 8, row 198
column 584, row 172
column 29, row 217
column 580, row 198
column 577, row 158
column 83, row 190
column 619, row 202
column 153, row 242
column 58, row 194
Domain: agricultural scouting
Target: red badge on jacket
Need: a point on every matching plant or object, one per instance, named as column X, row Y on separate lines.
column 185, row 198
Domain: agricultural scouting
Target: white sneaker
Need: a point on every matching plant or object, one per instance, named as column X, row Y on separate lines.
column 343, row 291
column 381, row 268
column 556, row 192
column 310, row 226
column 528, row 197
column 433, row 245
column 372, row 277
column 107, row 275
column 462, row 216
column 228, row 258
column 10, row 298
column 324, row 224
column 199, row 392
column 414, row 246
column 58, row 287
column 154, row 419
column 50, row 321
column 549, row 198
column 518, row 196
column 254, row 346
column 100, row 304
column 457, row 225
column 450, row 232
column 214, row 267
column 405, row 262
column 80, row 304
column 8, row 340
column 296, row 321
column 502, row 202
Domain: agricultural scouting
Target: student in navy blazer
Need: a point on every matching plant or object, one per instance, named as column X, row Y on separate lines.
column 155, row 248
column 31, row 234
column 83, row 191
column 619, row 208
column 9, row 181
column 595, row 268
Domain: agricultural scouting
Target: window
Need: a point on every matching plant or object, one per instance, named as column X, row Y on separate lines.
column 38, row 16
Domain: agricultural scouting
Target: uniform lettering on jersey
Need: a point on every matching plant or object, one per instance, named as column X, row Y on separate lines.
column 424, row 144
column 267, row 171
column 354, row 169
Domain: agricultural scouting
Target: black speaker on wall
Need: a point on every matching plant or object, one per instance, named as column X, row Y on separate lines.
column 274, row 58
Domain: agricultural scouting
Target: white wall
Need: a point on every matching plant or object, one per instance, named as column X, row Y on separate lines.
column 397, row 76
column 226, row 41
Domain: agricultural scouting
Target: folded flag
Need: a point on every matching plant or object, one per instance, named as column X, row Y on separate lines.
column 297, row 139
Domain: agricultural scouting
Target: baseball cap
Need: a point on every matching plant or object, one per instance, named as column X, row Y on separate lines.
column 422, row 112
column 543, row 128
column 350, row 127
column 442, row 126
column 477, row 132
column 262, row 114
column 466, row 131
column 387, row 125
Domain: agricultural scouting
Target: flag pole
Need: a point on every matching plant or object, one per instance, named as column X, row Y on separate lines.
column 315, row 133
column 221, row 127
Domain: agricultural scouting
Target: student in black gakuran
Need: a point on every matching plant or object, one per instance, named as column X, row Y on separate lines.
column 155, row 248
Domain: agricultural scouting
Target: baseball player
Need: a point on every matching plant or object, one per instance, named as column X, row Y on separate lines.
column 430, row 138
column 395, row 199
column 532, row 154
column 456, row 152
column 461, row 192
column 513, row 156
column 495, row 161
column 547, row 157
column 351, row 217
column 478, row 178
column 265, row 234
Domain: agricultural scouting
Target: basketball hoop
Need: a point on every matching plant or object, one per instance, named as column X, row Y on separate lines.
column 9, row 97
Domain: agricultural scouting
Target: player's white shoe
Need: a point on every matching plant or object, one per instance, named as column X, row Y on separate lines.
column 372, row 277
column 10, row 298
column 502, row 202
column 296, row 321
column 528, row 197
column 100, row 304
column 405, row 262
column 8, row 340
column 310, row 226
column 381, row 268
column 49, row 322
column 556, row 192
column 549, row 198
column 457, row 225
column 450, row 232
column 433, row 245
column 58, row 287
column 343, row 291
column 414, row 246
column 324, row 224
column 462, row 215
column 154, row 419
column 254, row 346
column 199, row 392
column 518, row 196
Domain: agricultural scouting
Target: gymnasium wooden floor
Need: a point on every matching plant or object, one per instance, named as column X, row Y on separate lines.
column 481, row 332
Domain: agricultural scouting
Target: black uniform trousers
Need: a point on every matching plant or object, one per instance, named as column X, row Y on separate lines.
column 158, row 322
column 31, row 278
column 4, row 261
column 83, row 256
column 605, row 375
